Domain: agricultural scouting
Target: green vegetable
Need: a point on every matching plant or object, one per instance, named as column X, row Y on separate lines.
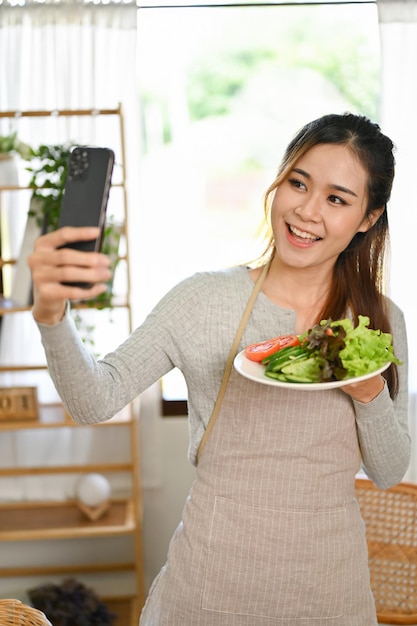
column 366, row 350
column 282, row 356
column 333, row 350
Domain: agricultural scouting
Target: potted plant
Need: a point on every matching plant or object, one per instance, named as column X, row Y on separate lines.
column 11, row 145
column 49, row 167
column 71, row 604
column 11, row 148
column 49, row 171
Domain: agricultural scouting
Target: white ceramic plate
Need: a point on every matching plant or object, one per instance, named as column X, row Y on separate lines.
column 256, row 372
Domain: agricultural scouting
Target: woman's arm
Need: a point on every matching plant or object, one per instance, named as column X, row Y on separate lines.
column 94, row 391
column 383, row 423
column 91, row 391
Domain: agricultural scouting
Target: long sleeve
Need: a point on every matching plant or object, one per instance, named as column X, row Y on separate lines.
column 192, row 328
column 94, row 391
column 383, row 423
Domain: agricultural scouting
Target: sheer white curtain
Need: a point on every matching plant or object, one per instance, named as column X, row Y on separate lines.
column 398, row 29
column 66, row 54
column 63, row 54
column 59, row 55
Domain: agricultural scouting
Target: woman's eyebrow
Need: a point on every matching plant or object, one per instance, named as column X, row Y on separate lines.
column 336, row 187
column 345, row 189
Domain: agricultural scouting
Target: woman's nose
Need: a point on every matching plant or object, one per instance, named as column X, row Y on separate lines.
column 309, row 210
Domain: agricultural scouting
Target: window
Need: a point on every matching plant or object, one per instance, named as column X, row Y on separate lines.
column 222, row 89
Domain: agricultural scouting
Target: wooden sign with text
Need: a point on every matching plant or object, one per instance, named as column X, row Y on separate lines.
column 18, row 403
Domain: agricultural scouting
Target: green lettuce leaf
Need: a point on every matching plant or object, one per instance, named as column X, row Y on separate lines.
column 366, row 350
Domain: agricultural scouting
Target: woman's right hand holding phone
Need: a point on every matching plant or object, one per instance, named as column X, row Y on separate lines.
column 52, row 265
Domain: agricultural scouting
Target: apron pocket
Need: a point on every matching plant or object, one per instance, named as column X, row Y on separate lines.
column 277, row 563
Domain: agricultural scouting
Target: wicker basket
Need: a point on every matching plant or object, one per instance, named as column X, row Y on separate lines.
column 15, row 613
column 390, row 517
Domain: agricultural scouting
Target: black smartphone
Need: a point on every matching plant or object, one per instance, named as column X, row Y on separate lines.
column 86, row 193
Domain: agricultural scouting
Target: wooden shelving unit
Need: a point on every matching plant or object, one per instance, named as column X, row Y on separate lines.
column 51, row 522
column 126, row 610
column 25, row 522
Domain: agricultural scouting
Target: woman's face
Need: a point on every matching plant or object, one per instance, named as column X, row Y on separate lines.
column 319, row 207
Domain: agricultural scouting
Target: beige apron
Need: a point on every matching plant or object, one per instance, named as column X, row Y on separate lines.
column 271, row 532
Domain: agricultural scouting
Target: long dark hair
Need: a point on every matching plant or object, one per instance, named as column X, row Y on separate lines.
column 358, row 278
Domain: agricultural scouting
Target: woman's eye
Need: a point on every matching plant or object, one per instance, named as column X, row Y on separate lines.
column 337, row 200
column 298, row 184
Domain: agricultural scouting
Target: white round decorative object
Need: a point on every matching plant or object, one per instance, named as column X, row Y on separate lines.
column 93, row 489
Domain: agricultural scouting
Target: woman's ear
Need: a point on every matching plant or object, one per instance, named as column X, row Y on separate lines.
column 371, row 219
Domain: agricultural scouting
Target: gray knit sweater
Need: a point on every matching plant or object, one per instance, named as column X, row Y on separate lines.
column 192, row 328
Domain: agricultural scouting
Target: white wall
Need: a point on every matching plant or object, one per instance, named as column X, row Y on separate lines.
column 166, row 478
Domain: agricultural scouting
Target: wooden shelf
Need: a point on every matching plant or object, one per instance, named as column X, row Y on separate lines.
column 47, row 521
column 7, row 306
column 45, row 470
column 125, row 609
column 55, row 416
column 63, row 520
column 66, row 571
column 32, row 188
column 61, row 113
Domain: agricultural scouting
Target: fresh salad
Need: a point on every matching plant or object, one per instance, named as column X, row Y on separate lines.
column 329, row 351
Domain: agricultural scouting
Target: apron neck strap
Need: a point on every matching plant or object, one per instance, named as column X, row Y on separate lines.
column 232, row 354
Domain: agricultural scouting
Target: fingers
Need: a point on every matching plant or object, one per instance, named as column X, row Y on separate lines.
column 68, row 234
column 365, row 391
column 63, row 265
column 52, row 265
column 49, row 302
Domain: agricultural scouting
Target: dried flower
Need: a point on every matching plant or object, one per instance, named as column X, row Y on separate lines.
column 71, row 604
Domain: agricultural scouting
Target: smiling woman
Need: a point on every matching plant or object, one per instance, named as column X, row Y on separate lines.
column 306, row 213
column 280, row 461
column 216, row 113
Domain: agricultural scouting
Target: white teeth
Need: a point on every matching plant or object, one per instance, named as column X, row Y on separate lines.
column 303, row 234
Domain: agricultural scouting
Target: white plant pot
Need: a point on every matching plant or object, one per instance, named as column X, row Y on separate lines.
column 9, row 170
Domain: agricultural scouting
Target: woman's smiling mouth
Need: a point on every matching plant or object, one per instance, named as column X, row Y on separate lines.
column 302, row 234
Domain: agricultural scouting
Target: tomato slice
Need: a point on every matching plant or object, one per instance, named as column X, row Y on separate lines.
column 263, row 349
